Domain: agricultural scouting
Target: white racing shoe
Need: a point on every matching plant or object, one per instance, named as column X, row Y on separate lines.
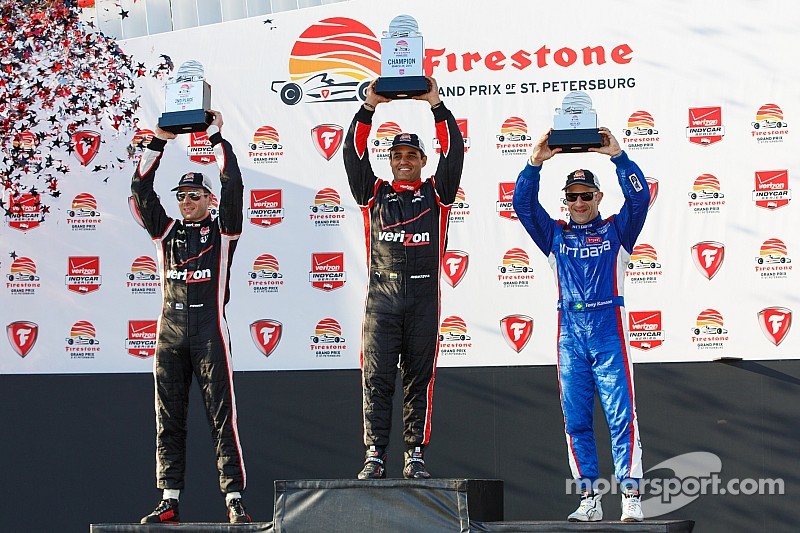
column 590, row 509
column 631, row 507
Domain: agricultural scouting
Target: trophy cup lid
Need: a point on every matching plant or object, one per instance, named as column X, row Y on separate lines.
column 191, row 70
column 576, row 102
column 402, row 26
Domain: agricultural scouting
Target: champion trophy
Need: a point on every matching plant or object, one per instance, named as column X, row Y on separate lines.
column 575, row 125
column 187, row 101
column 401, row 60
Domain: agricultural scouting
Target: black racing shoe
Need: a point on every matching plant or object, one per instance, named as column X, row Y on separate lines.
column 415, row 465
column 374, row 464
column 237, row 513
column 166, row 512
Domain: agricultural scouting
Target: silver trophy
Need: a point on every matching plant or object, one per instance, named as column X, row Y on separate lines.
column 401, row 60
column 187, row 100
column 575, row 125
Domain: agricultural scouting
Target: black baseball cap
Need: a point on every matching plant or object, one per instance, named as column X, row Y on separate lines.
column 197, row 180
column 408, row 139
column 582, row 177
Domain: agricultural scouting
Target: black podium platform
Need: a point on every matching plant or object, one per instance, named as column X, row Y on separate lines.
column 410, row 506
column 188, row 527
column 648, row 526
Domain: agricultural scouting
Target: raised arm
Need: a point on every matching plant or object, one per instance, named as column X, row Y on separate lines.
column 231, row 201
column 154, row 217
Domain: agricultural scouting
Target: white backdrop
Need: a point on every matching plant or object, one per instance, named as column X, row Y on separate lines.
column 504, row 70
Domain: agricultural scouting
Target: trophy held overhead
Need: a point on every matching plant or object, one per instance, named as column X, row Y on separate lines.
column 402, row 51
column 575, row 125
column 187, row 101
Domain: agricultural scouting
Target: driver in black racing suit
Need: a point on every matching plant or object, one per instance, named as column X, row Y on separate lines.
column 406, row 232
column 194, row 256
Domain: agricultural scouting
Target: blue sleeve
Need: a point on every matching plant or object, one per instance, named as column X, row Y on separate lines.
column 534, row 218
column 630, row 220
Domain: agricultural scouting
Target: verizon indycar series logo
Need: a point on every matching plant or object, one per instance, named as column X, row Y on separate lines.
column 463, row 127
column 327, row 139
column 83, row 214
column 22, row 279
column 266, row 207
column 22, row 336
column 772, row 189
column 142, row 337
column 513, row 138
column 200, row 150
column 708, row 257
column 505, row 197
column 82, row 342
column 515, row 270
column 327, row 271
column 454, row 266
column 266, row 334
column 83, row 274
column 706, row 196
column 24, row 212
column 709, row 332
column 517, row 331
column 327, row 209
column 459, row 211
column 705, row 125
column 144, row 277
column 643, row 265
column 773, row 261
column 265, row 147
column 331, row 61
column 85, row 145
column 644, row 330
column 327, row 339
column 382, row 142
column 266, row 275
column 641, row 132
column 769, row 126
column 453, row 337
column 775, row 323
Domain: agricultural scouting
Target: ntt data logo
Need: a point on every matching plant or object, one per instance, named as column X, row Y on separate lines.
column 333, row 60
column 678, row 481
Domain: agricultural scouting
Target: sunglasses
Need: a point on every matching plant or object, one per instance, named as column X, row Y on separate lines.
column 585, row 196
column 193, row 195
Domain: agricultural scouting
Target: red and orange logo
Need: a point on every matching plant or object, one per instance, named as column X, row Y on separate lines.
column 454, row 266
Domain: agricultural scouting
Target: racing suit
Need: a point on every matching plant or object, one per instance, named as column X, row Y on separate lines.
column 406, row 234
column 589, row 262
column 194, row 259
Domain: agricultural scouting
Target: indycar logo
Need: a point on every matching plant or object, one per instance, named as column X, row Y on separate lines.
column 505, row 196
column 645, row 330
column 705, row 125
column 22, row 336
column 775, row 323
column 24, row 212
column 266, row 334
column 454, row 266
column 517, row 330
column 327, row 271
column 83, row 274
column 772, row 189
column 266, row 207
column 200, row 149
column 327, row 139
column 463, row 127
column 331, row 61
column 86, row 144
column 708, row 257
column 141, row 341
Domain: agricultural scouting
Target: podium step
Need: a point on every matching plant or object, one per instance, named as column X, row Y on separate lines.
column 186, row 527
column 410, row 506
column 648, row 526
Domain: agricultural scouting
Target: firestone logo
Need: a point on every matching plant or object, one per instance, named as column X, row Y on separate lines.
column 86, row 144
column 22, row 336
column 327, row 339
column 769, row 125
column 513, row 138
column 83, row 214
column 645, row 331
column 709, row 332
column 327, row 209
column 516, row 330
column 459, row 211
column 708, row 257
column 773, row 261
column 643, row 265
column 454, row 339
column 706, row 196
column 515, row 270
column 641, row 132
column 454, row 266
column 266, row 207
column 327, row 139
column 772, row 189
column 381, row 144
column 266, row 275
column 144, row 276
column 22, row 277
column 266, row 334
column 705, row 125
column 775, row 323
column 265, row 147
column 82, row 342
column 652, row 184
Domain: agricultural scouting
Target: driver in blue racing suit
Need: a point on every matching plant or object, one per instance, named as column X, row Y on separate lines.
column 588, row 255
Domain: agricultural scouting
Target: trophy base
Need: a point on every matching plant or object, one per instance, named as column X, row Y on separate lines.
column 573, row 141
column 189, row 121
column 401, row 88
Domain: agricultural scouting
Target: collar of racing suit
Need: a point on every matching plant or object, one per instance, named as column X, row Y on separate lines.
column 400, row 186
column 589, row 225
column 198, row 223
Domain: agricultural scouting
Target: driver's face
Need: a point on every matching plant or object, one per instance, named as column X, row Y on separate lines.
column 407, row 163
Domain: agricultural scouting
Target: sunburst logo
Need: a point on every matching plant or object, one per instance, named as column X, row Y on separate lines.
column 333, row 60
column 266, row 146
column 773, row 261
column 513, row 138
column 706, row 196
column 641, row 132
column 769, row 126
